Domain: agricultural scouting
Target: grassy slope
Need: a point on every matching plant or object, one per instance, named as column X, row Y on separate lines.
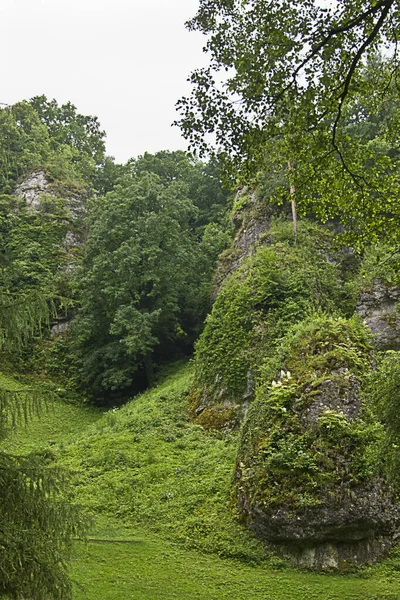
column 159, row 487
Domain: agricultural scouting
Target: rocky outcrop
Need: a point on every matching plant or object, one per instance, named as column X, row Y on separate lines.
column 302, row 478
column 252, row 218
column 68, row 206
column 379, row 308
column 306, row 479
column 32, row 188
column 344, row 530
column 39, row 194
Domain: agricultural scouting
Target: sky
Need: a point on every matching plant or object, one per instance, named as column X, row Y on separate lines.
column 124, row 61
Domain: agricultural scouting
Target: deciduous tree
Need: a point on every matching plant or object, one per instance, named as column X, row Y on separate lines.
column 283, row 80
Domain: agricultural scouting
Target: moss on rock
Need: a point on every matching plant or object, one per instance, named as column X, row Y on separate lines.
column 273, row 289
column 305, row 473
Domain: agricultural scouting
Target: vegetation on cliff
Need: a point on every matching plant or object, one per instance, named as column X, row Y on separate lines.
column 288, row 383
column 276, row 287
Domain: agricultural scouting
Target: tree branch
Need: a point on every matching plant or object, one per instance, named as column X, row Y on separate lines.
column 346, row 85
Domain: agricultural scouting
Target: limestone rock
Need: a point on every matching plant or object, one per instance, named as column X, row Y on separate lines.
column 302, row 479
column 32, row 188
column 252, row 221
column 42, row 195
column 379, row 308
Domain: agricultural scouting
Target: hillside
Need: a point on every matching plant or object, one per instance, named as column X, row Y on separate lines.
column 158, row 488
column 274, row 450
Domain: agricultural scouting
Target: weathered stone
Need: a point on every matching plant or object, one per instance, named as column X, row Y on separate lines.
column 379, row 308
column 337, row 555
column 32, row 188
column 367, row 513
column 36, row 189
column 347, row 402
column 313, row 499
column 59, row 327
column 252, row 222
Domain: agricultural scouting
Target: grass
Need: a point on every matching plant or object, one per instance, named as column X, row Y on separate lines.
column 52, row 425
column 159, row 488
column 154, row 569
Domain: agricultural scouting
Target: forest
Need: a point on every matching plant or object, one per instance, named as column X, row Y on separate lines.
column 200, row 350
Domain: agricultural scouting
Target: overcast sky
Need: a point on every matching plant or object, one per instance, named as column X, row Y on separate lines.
column 125, row 61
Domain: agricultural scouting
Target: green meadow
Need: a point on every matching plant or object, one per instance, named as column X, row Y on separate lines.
column 156, row 488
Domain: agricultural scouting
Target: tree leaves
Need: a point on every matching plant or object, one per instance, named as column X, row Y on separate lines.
column 283, row 82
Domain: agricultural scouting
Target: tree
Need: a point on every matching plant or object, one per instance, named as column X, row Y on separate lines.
column 66, row 126
column 146, row 274
column 284, row 78
column 40, row 134
column 136, row 263
column 24, row 144
column 202, row 179
column 33, row 278
column 36, row 525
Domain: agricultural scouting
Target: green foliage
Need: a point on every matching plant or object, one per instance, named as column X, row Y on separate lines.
column 286, row 462
column 303, row 82
column 380, row 263
column 40, row 135
column 146, row 274
column 148, row 466
column 273, row 289
column 31, row 259
column 76, row 142
column 24, row 144
column 384, row 395
column 37, row 528
column 150, row 567
column 135, row 268
column 203, row 181
column 66, row 127
column 124, row 556
column 37, row 525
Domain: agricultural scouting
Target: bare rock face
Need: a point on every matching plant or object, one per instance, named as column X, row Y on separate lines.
column 39, row 192
column 305, row 482
column 354, row 528
column 32, row 188
column 252, row 219
column 379, row 308
column 42, row 195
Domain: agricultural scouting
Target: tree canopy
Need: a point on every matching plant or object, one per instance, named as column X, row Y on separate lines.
column 40, row 134
column 146, row 273
column 284, row 81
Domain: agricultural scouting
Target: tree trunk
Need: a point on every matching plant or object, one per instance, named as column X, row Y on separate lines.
column 294, row 211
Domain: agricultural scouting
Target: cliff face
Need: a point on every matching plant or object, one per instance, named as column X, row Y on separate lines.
column 252, row 219
column 304, row 477
column 307, row 477
column 67, row 203
column 379, row 308
column 39, row 194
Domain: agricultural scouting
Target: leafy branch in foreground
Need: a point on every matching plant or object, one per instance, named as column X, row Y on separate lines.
column 287, row 81
column 36, row 529
column 37, row 525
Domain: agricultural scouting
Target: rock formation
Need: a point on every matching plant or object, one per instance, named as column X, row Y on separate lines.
column 379, row 308
column 303, row 477
column 42, row 195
